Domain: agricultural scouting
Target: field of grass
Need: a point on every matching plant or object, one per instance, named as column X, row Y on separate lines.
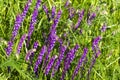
column 107, row 64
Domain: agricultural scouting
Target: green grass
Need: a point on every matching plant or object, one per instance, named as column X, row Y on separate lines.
column 107, row 66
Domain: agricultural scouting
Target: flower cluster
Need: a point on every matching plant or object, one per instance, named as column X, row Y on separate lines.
column 21, row 42
column 68, row 60
column 60, row 58
column 81, row 14
column 33, row 21
column 50, row 64
column 39, row 59
column 80, row 63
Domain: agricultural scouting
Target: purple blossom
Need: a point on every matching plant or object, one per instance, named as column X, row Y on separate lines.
column 91, row 18
column 81, row 14
column 67, row 3
column 33, row 21
column 21, row 43
column 50, row 64
column 39, row 59
column 29, row 54
column 71, row 12
column 68, row 60
column 38, row 4
column 95, row 43
column 9, row 48
column 53, row 11
column 51, row 43
column 103, row 29
column 56, row 20
column 45, row 9
column 26, row 8
column 81, row 60
column 60, row 58
column 96, row 51
column 16, row 26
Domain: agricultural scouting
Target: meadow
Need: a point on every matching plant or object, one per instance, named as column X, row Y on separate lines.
column 59, row 39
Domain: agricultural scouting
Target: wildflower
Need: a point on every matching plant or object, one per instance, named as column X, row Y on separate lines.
column 95, row 43
column 33, row 21
column 16, row 26
column 80, row 63
column 26, row 8
column 81, row 14
column 56, row 20
column 60, row 58
column 9, row 48
column 22, row 39
column 53, row 11
column 67, row 3
column 46, row 10
column 68, row 60
column 50, row 64
column 103, row 29
column 71, row 13
column 97, row 52
column 39, row 59
column 29, row 53
column 91, row 18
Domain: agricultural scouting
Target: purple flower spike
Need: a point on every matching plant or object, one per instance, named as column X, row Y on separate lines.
column 50, row 64
column 33, row 21
column 81, row 60
column 26, row 8
column 67, row 3
column 81, row 14
column 95, row 43
column 56, row 20
column 103, row 29
column 39, row 59
column 9, row 48
column 45, row 9
column 16, row 27
column 53, row 11
column 60, row 58
column 29, row 53
column 71, row 12
column 68, row 60
column 91, row 18
column 21, row 43
column 96, row 51
column 38, row 3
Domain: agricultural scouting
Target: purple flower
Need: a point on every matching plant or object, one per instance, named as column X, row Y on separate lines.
column 39, row 59
column 91, row 18
column 50, row 64
column 67, row 3
column 80, row 63
column 103, row 29
column 56, row 20
column 53, row 11
column 38, row 4
column 29, row 53
column 33, row 21
column 26, row 8
column 16, row 26
column 95, row 43
column 60, row 58
column 81, row 14
column 9, row 48
column 96, row 51
column 71, row 12
column 45, row 9
column 68, row 60
column 21, row 43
